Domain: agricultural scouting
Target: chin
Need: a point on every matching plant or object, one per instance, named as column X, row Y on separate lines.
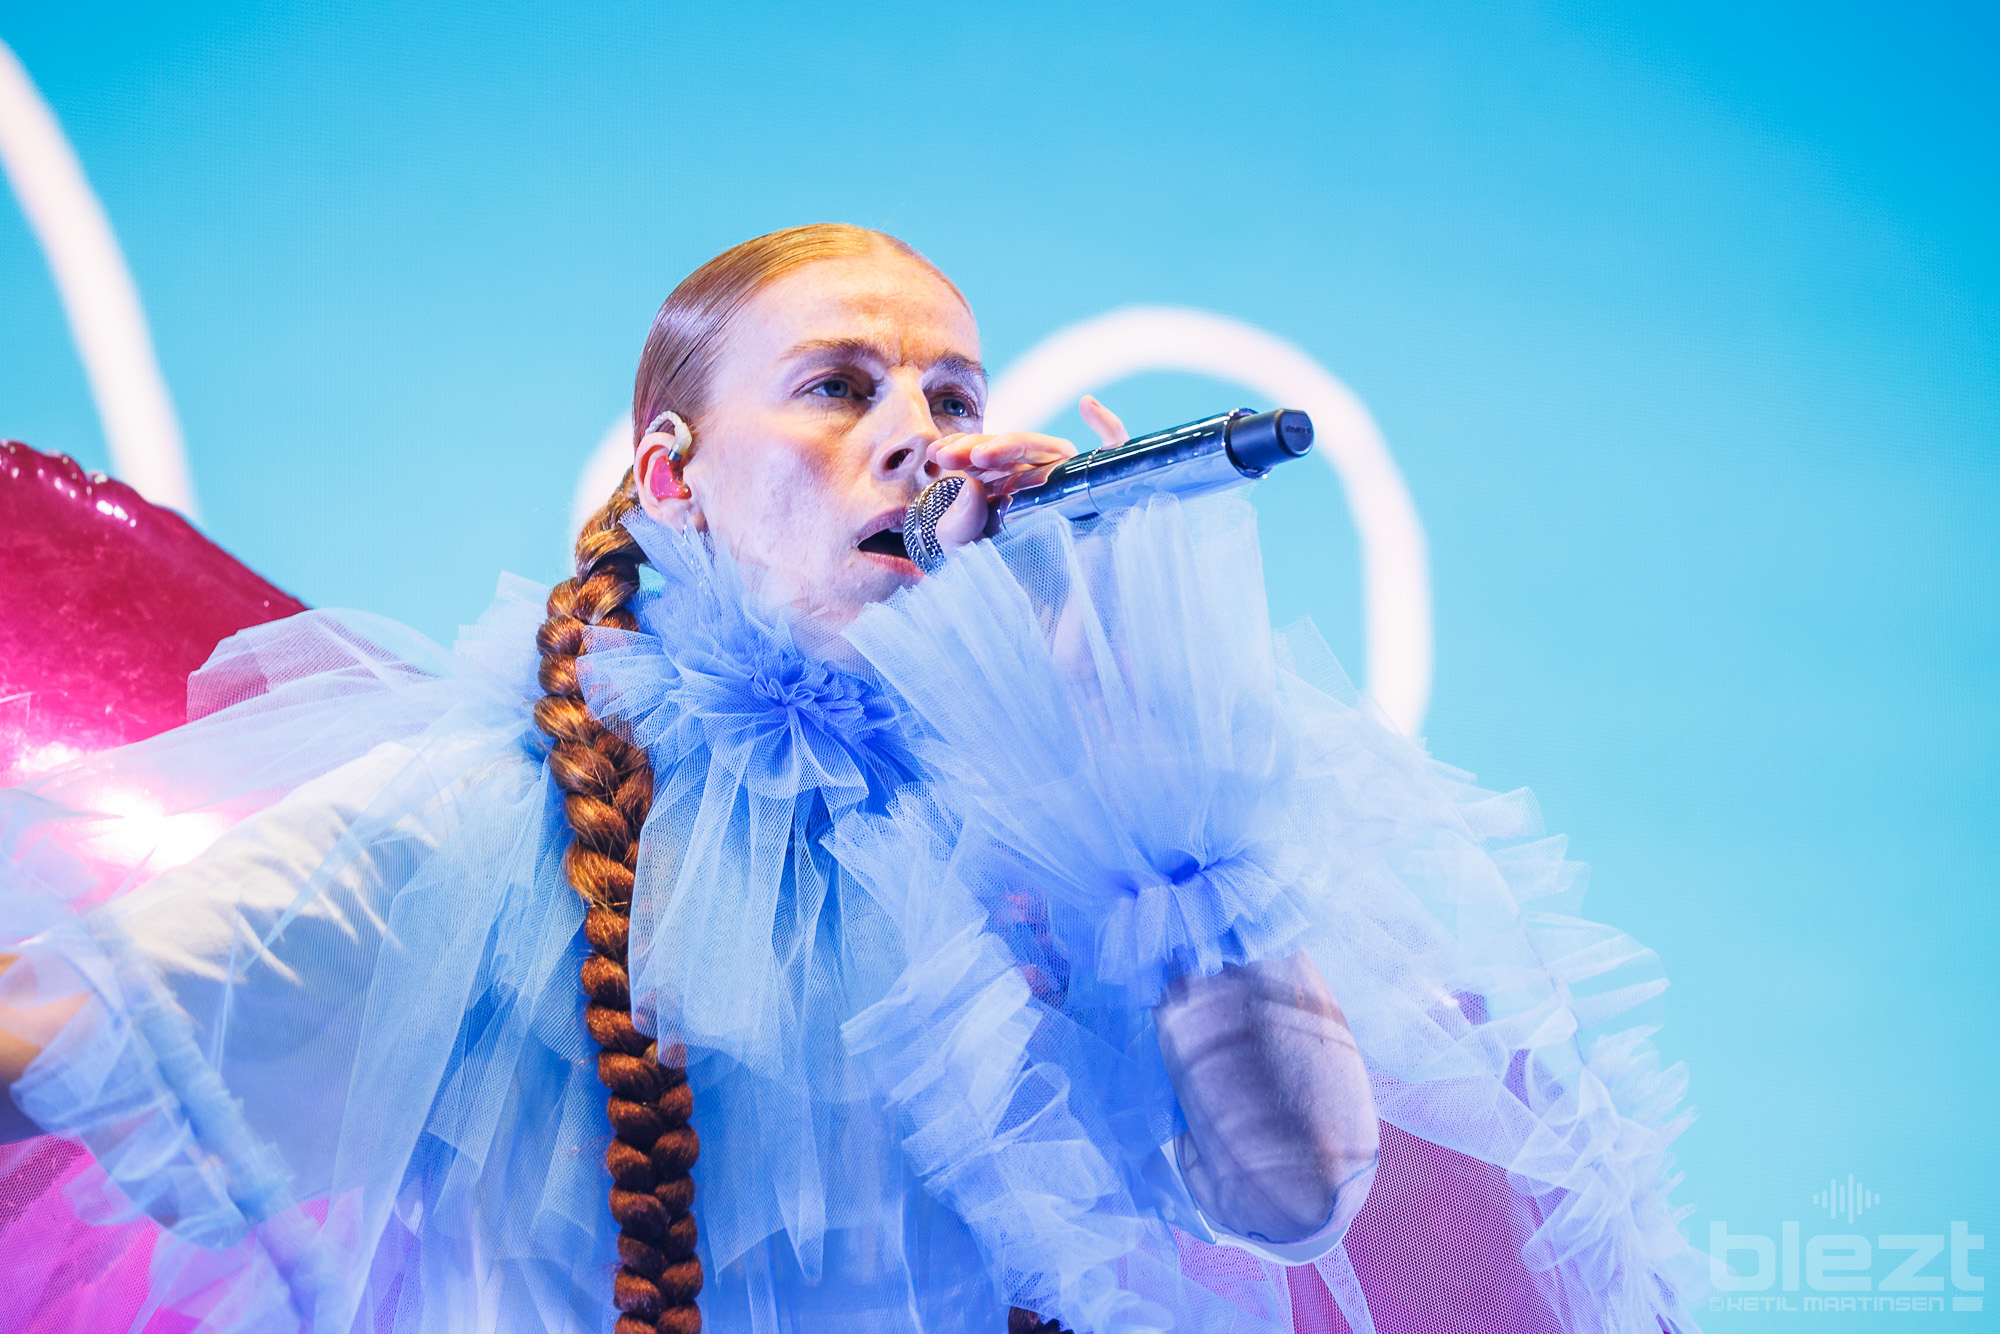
column 832, row 601
column 858, row 589
column 881, row 576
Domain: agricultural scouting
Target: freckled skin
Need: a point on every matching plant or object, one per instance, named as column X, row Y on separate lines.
column 799, row 457
column 789, row 472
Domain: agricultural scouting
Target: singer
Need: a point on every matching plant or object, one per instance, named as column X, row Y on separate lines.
column 756, row 932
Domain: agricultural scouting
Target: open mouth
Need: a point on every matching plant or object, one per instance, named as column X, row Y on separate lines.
column 888, row 542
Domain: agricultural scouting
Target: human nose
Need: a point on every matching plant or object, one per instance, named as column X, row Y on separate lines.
column 905, row 431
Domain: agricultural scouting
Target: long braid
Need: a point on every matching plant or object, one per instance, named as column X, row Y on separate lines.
column 610, row 788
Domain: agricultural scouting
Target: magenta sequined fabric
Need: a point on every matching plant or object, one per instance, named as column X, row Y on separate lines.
column 107, row 603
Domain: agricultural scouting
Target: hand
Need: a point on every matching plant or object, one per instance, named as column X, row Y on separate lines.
column 993, row 464
column 26, row 1026
column 1282, row 1135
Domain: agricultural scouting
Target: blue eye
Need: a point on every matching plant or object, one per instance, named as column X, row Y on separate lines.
column 835, row 388
column 952, row 405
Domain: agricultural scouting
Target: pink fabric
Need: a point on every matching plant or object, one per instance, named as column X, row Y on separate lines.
column 1438, row 1247
column 1436, row 1250
column 63, row 1276
column 107, row 603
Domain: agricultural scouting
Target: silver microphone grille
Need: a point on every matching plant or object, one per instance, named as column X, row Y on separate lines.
column 920, row 521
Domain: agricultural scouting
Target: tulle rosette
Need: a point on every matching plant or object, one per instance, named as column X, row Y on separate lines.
column 711, row 673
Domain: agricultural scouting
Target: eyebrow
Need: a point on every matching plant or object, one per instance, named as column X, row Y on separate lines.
column 861, row 347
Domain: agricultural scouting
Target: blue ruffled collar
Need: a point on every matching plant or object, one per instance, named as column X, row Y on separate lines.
column 709, row 673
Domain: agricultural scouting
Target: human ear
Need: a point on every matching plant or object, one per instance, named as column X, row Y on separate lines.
column 663, row 492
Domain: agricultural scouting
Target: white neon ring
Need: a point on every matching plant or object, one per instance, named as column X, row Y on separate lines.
column 99, row 298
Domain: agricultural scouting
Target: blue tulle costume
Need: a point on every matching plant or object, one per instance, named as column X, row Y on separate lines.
column 908, row 905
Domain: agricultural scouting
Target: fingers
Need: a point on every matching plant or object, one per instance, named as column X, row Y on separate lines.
column 1006, row 452
column 965, row 520
column 994, row 464
column 1009, row 451
column 1103, row 421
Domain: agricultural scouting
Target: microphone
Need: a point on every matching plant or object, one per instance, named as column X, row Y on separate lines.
column 1228, row 449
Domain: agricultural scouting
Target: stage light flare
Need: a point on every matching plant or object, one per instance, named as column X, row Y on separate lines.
column 134, row 829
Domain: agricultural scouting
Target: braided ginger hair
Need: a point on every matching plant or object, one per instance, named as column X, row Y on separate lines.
column 608, row 787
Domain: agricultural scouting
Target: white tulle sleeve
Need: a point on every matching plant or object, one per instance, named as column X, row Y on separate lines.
column 326, row 966
column 202, row 1133
column 1139, row 781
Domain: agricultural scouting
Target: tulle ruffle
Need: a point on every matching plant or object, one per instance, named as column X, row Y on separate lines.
column 710, row 674
column 329, row 1063
column 908, row 917
column 1103, row 715
column 1041, row 1136
column 750, row 944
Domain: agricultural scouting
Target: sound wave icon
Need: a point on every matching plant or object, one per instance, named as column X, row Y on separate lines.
column 1846, row 1202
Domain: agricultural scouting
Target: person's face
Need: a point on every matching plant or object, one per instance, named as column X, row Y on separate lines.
column 830, row 385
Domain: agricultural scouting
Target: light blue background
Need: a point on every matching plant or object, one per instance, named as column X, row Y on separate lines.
column 1680, row 320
